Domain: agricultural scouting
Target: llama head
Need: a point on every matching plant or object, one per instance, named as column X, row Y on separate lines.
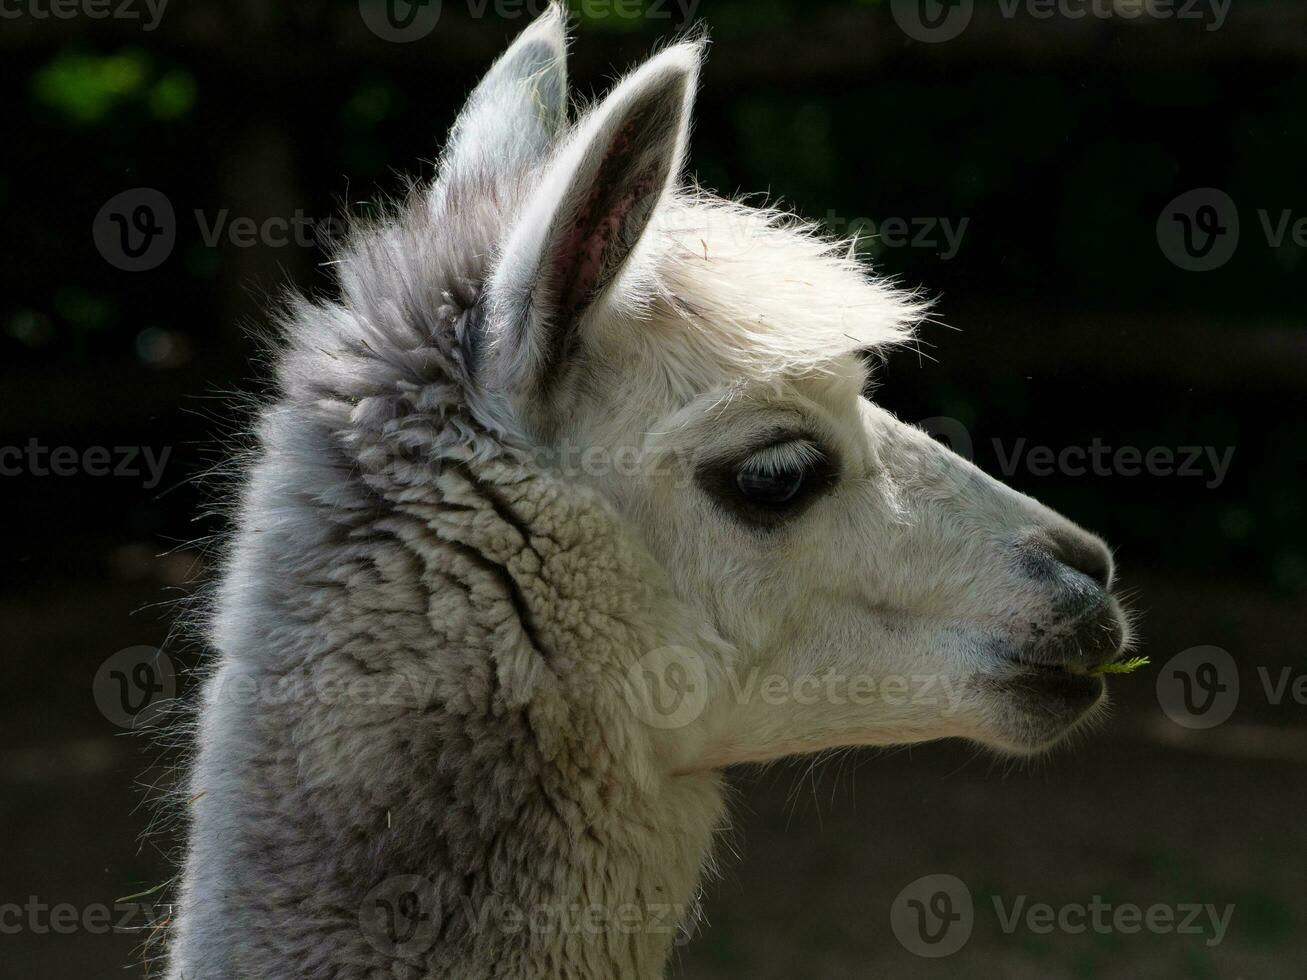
column 703, row 365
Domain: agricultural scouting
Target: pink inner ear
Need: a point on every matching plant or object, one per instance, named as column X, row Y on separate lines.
column 597, row 240
column 590, row 249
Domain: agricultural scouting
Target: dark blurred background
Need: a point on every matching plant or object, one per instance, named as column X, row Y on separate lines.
column 1110, row 209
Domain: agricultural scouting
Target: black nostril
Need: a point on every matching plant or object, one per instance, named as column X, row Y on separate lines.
column 1084, row 553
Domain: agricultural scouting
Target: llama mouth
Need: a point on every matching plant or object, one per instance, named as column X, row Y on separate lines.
column 1075, row 683
column 1063, row 663
column 1076, row 668
column 1085, row 647
column 1065, row 676
column 1035, row 705
column 1072, row 684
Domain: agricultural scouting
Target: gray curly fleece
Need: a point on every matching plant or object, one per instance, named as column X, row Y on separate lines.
column 415, row 754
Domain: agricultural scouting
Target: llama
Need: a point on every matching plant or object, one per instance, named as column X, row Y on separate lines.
column 578, row 451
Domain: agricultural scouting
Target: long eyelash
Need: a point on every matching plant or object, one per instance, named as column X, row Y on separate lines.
column 785, row 457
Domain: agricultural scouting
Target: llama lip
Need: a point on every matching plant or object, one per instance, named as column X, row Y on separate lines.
column 1073, row 686
column 1082, row 645
column 1071, row 680
column 1076, row 668
column 1065, row 668
column 1036, row 704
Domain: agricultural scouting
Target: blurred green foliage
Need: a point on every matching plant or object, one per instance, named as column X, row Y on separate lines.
column 86, row 88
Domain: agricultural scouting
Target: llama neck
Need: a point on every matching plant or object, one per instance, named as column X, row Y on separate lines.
column 595, row 853
column 458, row 785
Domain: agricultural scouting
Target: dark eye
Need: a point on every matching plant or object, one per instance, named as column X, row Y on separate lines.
column 778, row 474
column 770, row 486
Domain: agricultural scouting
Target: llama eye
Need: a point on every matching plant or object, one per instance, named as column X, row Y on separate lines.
column 776, row 475
column 772, row 487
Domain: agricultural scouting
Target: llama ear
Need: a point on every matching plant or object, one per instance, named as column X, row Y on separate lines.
column 517, row 111
column 581, row 224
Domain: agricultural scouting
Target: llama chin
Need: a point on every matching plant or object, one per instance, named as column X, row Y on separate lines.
column 468, row 682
